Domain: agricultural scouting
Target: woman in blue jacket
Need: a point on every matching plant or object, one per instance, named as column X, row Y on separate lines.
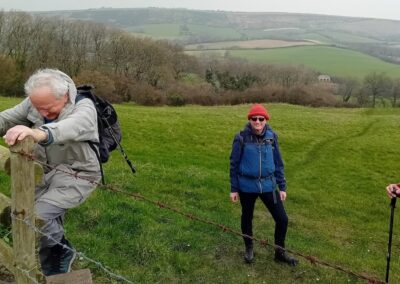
column 256, row 170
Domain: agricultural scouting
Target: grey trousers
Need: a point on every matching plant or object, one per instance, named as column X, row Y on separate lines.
column 59, row 191
column 53, row 217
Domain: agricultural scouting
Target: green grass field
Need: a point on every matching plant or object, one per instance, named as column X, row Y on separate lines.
column 176, row 31
column 167, row 31
column 327, row 60
column 338, row 162
column 215, row 32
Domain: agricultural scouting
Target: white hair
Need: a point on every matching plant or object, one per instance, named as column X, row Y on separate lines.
column 58, row 82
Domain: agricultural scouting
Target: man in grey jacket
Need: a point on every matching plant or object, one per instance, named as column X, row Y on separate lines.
column 62, row 129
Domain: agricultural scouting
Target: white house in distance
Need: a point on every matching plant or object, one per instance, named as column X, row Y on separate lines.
column 324, row 78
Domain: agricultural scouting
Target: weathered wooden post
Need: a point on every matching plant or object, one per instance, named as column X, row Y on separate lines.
column 22, row 206
column 4, row 158
column 5, row 165
column 4, row 202
column 6, row 252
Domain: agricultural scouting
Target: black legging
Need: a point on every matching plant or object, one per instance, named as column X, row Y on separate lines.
column 247, row 200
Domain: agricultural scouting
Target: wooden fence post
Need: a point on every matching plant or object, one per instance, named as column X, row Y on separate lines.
column 22, row 206
column 5, row 165
column 4, row 158
column 6, row 252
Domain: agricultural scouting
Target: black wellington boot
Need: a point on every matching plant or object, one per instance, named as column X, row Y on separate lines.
column 46, row 257
column 67, row 256
column 249, row 254
column 282, row 256
column 57, row 259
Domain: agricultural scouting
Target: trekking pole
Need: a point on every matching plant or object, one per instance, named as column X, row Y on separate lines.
column 392, row 205
column 121, row 150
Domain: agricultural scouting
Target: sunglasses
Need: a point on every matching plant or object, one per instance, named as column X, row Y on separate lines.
column 261, row 119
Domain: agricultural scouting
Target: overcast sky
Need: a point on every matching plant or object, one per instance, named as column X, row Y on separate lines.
column 386, row 9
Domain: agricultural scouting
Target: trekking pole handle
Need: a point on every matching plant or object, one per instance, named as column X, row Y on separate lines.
column 393, row 202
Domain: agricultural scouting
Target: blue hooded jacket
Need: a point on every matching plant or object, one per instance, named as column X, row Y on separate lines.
column 256, row 164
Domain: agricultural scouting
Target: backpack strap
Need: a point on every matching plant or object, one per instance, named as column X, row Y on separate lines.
column 93, row 145
column 79, row 97
column 241, row 139
column 95, row 149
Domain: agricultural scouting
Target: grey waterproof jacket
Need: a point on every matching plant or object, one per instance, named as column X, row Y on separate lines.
column 66, row 149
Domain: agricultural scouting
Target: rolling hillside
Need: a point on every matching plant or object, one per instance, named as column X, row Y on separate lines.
column 376, row 37
column 203, row 26
column 327, row 60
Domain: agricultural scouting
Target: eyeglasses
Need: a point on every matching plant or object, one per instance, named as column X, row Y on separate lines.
column 261, row 119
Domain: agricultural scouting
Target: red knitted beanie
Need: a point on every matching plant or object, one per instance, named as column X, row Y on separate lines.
column 259, row 110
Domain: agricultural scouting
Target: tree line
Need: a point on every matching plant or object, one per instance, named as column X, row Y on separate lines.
column 126, row 68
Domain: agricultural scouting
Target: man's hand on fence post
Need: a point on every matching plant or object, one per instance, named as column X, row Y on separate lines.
column 20, row 132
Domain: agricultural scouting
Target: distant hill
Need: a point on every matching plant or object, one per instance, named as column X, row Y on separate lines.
column 377, row 37
column 247, row 25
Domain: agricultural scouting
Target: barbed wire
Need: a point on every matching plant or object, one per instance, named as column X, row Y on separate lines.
column 27, row 274
column 264, row 242
column 79, row 254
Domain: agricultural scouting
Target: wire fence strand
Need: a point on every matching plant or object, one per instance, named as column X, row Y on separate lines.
column 224, row 228
column 79, row 254
column 27, row 273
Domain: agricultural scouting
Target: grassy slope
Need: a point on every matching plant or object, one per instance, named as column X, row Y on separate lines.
column 328, row 60
column 174, row 31
column 338, row 162
column 157, row 30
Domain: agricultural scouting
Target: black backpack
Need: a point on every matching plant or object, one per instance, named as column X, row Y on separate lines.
column 108, row 127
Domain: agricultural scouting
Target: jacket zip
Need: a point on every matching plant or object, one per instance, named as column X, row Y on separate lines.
column 259, row 177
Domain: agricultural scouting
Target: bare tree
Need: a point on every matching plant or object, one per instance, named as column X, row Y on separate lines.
column 180, row 62
column 79, row 37
column 63, row 47
column 2, row 24
column 347, row 88
column 116, row 51
column 97, row 38
column 43, row 50
column 395, row 91
column 18, row 33
column 378, row 84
